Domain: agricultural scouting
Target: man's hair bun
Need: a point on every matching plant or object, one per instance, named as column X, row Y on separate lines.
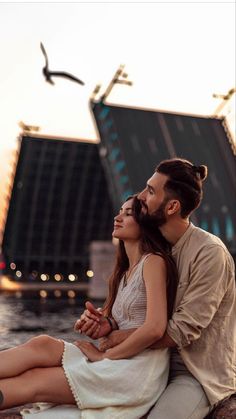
column 200, row 171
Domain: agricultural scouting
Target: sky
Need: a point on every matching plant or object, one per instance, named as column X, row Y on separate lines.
column 177, row 55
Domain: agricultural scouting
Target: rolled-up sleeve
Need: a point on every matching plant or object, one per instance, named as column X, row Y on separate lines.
column 208, row 282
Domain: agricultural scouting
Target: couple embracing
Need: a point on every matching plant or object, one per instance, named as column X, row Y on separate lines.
column 167, row 328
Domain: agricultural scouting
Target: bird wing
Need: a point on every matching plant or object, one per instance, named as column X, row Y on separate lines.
column 44, row 53
column 66, row 75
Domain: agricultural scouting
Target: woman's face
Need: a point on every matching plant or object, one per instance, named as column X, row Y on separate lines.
column 125, row 226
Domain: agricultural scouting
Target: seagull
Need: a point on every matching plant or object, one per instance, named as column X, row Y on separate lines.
column 49, row 74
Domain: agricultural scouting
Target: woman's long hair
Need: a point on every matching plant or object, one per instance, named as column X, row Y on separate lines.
column 151, row 241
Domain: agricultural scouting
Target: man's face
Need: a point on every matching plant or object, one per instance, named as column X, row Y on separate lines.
column 153, row 199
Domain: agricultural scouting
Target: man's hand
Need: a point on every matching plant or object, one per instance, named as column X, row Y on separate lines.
column 92, row 323
column 165, row 342
column 89, row 350
column 114, row 338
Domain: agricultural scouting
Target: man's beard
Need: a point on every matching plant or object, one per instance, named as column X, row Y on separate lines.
column 157, row 218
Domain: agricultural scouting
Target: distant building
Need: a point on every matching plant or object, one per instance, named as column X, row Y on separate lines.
column 134, row 140
column 59, row 204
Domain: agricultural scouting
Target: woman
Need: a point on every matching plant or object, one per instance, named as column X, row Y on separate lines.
column 125, row 381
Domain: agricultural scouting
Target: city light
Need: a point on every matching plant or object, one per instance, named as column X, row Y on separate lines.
column 43, row 293
column 18, row 274
column 13, row 266
column 44, row 277
column 2, row 265
column 90, row 273
column 57, row 293
column 58, row 277
column 72, row 277
column 71, row 294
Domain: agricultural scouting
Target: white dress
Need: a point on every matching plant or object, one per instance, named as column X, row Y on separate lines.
column 109, row 389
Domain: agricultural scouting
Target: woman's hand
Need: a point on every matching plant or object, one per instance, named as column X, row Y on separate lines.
column 92, row 323
column 89, row 350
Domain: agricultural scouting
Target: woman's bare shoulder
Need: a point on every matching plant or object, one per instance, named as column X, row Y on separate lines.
column 154, row 261
column 153, row 258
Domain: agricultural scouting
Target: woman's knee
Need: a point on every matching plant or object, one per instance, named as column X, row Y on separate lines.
column 49, row 348
column 42, row 342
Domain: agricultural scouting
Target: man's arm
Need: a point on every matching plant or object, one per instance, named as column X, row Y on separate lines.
column 114, row 339
column 165, row 342
column 118, row 336
column 207, row 286
column 210, row 275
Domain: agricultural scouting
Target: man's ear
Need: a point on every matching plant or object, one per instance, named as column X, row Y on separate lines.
column 173, row 206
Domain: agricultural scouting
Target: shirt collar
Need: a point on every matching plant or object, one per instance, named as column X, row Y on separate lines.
column 183, row 238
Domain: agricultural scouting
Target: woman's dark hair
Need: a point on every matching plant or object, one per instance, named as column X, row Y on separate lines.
column 184, row 182
column 151, row 241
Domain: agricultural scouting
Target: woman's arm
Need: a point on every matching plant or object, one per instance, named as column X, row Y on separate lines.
column 154, row 273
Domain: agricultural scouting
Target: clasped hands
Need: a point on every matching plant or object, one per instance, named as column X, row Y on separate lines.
column 92, row 323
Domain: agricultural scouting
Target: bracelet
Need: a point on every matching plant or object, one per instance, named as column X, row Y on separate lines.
column 109, row 321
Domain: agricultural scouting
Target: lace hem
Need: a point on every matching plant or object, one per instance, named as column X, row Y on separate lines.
column 78, row 401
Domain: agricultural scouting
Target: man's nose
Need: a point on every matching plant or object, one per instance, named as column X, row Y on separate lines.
column 142, row 195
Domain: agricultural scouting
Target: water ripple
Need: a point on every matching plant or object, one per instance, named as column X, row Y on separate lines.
column 21, row 319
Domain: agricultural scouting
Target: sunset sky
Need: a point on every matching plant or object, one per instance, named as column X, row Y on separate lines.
column 176, row 54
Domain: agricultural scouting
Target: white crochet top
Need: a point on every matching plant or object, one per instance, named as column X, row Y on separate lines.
column 129, row 308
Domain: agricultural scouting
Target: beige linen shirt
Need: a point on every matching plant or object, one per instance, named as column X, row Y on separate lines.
column 204, row 320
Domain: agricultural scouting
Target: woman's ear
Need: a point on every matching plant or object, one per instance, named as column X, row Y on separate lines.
column 173, row 207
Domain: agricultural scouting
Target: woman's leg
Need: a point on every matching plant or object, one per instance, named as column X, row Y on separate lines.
column 41, row 351
column 36, row 385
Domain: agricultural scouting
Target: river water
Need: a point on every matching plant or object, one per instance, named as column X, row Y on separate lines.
column 23, row 318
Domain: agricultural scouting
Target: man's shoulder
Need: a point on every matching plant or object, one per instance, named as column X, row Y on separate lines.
column 205, row 239
column 203, row 242
column 200, row 242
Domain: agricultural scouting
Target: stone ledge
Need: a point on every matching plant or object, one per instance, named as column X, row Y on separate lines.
column 226, row 409
column 11, row 414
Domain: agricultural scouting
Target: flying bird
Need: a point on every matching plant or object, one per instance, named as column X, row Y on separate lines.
column 49, row 74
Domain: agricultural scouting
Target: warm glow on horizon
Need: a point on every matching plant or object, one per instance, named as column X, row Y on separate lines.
column 8, row 285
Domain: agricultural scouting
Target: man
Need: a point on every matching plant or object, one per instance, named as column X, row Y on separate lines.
column 201, row 332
